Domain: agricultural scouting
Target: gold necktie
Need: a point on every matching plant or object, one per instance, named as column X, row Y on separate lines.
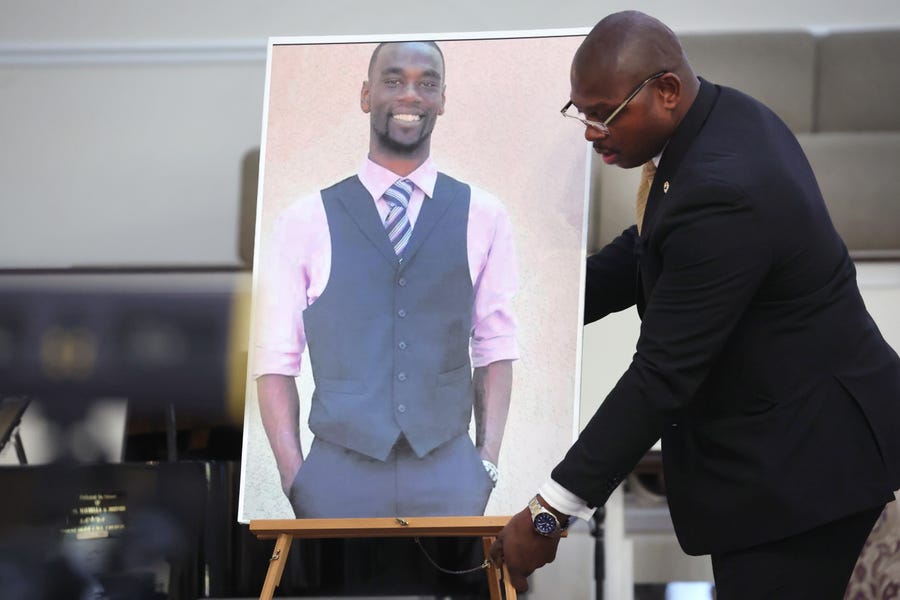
column 648, row 171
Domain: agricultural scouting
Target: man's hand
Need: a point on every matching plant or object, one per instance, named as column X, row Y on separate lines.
column 279, row 409
column 287, row 475
column 522, row 549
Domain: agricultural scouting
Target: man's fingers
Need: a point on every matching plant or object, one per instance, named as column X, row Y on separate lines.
column 497, row 552
column 519, row 581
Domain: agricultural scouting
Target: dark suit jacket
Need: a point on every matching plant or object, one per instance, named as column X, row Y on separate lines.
column 776, row 397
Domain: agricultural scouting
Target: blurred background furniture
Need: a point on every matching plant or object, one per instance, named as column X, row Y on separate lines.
column 837, row 93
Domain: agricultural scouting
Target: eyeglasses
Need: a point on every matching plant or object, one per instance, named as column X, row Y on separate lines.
column 603, row 126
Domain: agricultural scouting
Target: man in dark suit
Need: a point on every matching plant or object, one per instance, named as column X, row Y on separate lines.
column 775, row 395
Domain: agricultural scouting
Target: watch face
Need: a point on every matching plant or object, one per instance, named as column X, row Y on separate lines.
column 545, row 523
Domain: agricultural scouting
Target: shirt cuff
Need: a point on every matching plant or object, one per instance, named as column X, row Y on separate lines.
column 271, row 362
column 565, row 501
column 489, row 350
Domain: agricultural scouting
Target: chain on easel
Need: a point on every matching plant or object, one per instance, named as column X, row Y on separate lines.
column 481, row 567
column 484, row 565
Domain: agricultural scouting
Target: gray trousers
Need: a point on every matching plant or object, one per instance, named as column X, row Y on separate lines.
column 335, row 482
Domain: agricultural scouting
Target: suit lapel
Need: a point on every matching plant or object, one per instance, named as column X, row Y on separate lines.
column 361, row 207
column 432, row 211
column 675, row 151
column 676, row 148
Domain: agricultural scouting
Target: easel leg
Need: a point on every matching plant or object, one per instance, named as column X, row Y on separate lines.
column 493, row 573
column 497, row 577
column 508, row 590
column 276, row 566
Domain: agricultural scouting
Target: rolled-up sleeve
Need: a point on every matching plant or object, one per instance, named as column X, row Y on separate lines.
column 293, row 266
column 495, row 277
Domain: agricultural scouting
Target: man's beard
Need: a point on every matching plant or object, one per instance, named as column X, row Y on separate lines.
column 397, row 147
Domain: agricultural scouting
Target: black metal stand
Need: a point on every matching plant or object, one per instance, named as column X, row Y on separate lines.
column 171, row 434
column 596, row 528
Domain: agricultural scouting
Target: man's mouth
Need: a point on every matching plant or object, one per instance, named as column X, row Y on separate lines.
column 407, row 118
column 608, row 156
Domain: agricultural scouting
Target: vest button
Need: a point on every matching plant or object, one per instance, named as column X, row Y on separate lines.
column 402, row 282
column 401, row 313
column 402, row 345
column 401, row 408
column 401, row 376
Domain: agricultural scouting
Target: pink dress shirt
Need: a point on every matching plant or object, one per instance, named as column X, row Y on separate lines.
column 296, row 262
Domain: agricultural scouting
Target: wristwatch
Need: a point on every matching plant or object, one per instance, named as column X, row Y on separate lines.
column 545, row 522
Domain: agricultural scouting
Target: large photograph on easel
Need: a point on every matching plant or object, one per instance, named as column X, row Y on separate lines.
column 418, row 271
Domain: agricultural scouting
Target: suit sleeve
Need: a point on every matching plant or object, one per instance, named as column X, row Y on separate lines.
column 714, row 257
column 611, row 277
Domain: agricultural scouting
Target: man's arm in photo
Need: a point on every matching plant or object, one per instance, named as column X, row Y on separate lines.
column 493, row 387
column 280, row 339
column 494, row 345
column 279, row 408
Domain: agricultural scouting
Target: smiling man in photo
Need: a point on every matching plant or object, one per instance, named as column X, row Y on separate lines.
column 399, row 281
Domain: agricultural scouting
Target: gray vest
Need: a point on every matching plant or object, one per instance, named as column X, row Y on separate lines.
column 389, row 338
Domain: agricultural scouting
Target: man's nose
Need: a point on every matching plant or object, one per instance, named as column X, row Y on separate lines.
column 592, row 134
column 410, row 91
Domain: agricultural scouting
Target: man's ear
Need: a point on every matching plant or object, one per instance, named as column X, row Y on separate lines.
column 364, row 97
column 443, row 99
column 669, row 89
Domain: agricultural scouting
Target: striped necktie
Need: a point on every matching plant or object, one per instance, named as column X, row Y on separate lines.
column 397, row 221
column 647, row 174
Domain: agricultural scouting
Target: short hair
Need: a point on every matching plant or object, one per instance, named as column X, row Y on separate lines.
column 426, row 42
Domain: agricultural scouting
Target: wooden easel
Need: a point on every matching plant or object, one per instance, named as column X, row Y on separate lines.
column 283, row 531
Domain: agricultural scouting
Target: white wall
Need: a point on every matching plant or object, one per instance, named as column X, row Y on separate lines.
column 106, row 20
column 125, row 124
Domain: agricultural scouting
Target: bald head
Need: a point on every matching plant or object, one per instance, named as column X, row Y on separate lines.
column 628, row 47
column 631, row 76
